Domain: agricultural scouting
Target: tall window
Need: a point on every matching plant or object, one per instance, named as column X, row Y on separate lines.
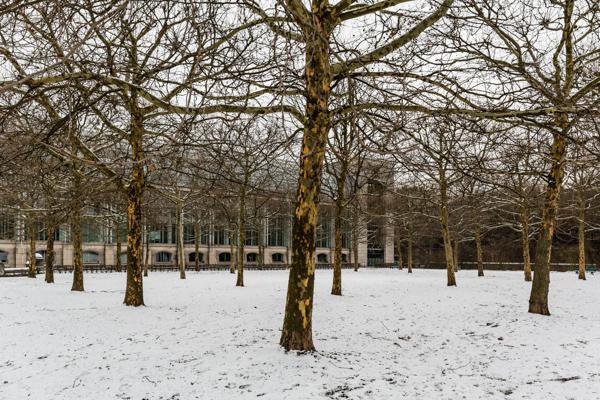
column 323, row 234
column 7, row 227
column 220, row 236
column 189, row 236
column 251, row 236
column 91, row 231
column 159, row 234
column 276, row 235
column 347, row 239
column 3, row 256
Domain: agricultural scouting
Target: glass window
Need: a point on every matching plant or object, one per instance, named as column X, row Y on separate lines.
column 162, row 257
column 252, row 257
column 251, row 236
column 159, row 234
column 91, row 257
column 192, row 257
column 277, row 257
column 322, row 258
column 276, row 236
column 225, row 257
column 323, row 234
column 220, row 236
column 91, row 231
column 3, row 256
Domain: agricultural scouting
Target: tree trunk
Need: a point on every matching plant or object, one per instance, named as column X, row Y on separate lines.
column 180, row 249
column 455, row 254
column 399, row 251
column 297, row 324
column 241, row 240
column 231, row 250
column 147, row 255
column 355, row 240
column 479, row 249
column 50, row 253
column 197, row 246
column 134, row 293
column 445, row 228
column 336, row 287
column 31, row 273
column 538, row 300
column 118, row 266
column 409, row 250
column 581, row 239
column 77, row 250
column 525, row 234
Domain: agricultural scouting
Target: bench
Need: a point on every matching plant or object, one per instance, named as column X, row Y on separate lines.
column 5, row 272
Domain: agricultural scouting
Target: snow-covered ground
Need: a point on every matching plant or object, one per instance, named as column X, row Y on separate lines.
column 391, row 336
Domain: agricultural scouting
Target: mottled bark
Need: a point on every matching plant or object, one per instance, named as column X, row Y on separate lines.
column 297, row 325
column 134, row 292
column 525, row 238
column 50, row 230
column 538, row 300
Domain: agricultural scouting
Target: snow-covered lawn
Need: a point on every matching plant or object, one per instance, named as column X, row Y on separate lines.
column 391, row 336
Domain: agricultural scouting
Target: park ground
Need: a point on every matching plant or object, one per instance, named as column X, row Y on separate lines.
column 391, row 336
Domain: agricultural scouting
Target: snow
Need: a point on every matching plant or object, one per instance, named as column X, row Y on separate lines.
column 391, row 336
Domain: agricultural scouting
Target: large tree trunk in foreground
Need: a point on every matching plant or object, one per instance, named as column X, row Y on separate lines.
column 525, row 236
column 50, row 230
column 118, row 266
column 297, row 324
column 77, row 250
column 134, row 293
column 538, row 300
column 479, row 250
column 31, row 273
column 336, row 287
column 446, row 229
column 180, row 249
column 581, row 240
